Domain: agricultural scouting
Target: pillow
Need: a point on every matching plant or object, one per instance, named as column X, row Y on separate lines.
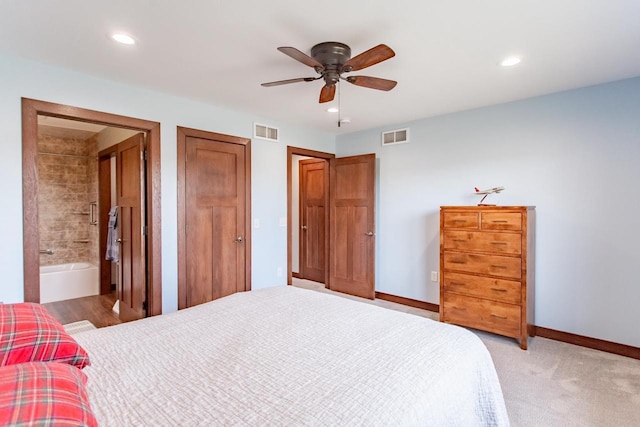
column 44, row 394
column 29, row 333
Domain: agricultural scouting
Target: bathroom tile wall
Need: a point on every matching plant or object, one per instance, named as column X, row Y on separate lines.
column 92, row 197
column 67, row 184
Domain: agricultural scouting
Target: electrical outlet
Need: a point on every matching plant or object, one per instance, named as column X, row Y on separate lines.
column 434, row 276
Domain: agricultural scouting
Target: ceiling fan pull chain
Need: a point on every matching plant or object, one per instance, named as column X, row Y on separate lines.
column 339, row 105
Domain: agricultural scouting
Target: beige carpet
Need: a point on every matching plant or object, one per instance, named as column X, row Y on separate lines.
column 554, row 383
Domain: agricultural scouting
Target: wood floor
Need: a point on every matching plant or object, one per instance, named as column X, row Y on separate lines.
column 96, row 309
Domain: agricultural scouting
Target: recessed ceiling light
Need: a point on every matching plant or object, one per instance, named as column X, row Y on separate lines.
column 123, row 38
column 332, row 110
column 510, row 61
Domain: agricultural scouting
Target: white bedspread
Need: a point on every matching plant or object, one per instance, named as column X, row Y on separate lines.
column 290, row 357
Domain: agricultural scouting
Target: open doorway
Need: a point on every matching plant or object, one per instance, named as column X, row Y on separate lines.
column 311, row 212
column 150, row 191
column 308, row 215
column 349, row 238
column 75, row 194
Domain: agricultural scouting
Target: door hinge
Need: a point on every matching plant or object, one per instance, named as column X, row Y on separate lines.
column 144, row 155
column 144, row 305
column 144, row 230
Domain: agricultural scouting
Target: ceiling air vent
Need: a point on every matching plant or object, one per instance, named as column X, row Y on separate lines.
column 398, row 136
column 265, row 132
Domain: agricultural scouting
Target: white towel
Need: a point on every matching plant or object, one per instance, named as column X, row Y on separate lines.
column 113, row 248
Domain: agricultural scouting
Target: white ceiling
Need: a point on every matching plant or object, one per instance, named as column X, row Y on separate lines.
column 447, row 52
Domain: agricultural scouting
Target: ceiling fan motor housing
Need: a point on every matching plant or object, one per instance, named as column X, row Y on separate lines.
column 332, row 55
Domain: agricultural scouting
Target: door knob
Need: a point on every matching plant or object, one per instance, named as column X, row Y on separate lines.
column 369, row 233
column 239, row 239
column 304, row 227
column 119, row 240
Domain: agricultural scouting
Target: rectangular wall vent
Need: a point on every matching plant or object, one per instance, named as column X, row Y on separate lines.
column 397, row 136
column 265, row 132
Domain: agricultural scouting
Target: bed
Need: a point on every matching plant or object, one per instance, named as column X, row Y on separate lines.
column 292, row 357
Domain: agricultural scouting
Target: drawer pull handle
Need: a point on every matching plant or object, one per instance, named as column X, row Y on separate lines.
column 499, row 317
column 455, row 261
column 498, row 243
column 499, row 221
column 458, row 284
column 498, row 266
column 459, row 240
column 459, row 308
column 498, row 290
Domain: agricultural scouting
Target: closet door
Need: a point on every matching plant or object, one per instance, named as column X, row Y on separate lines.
column 213, row 242
column 314, row 201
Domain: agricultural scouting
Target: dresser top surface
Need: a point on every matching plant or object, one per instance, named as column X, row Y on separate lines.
column 481, row 208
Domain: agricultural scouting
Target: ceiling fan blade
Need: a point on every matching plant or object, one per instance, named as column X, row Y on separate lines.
column 372, row 82
column 286, row 82
column 327, row 93
column 377, row 54
column 301, row 57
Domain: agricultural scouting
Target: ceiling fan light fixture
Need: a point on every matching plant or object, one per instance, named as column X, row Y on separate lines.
column 510, row 61
column 123, row 38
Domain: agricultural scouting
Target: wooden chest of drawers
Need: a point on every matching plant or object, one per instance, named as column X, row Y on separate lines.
column 486, row 268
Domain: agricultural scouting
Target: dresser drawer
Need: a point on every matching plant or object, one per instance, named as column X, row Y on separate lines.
column 501, row 221
column 483, row 241
column 494, row 265
column 461, row 220
column 482, row 314
column 501, row 290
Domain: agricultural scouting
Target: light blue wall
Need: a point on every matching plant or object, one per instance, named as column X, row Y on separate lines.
column 574, row 155
column 22, row 78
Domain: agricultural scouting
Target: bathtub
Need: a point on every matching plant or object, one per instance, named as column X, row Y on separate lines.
column 67, row 281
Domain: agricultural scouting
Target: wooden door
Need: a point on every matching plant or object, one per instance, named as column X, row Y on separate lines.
column 352, row 229
column 130, row 185
column 314, row 178
column 216, row 213
column 104, row 205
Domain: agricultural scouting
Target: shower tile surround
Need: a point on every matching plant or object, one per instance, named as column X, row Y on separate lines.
column 67, row 184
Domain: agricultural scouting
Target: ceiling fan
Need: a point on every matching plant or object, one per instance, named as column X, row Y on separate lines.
column 331, row 59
